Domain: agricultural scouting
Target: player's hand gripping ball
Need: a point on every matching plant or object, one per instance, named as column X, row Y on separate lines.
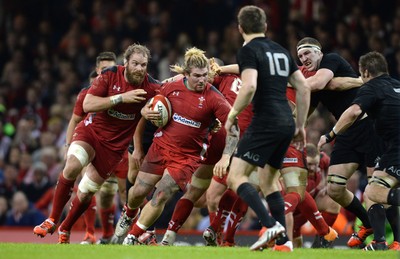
column 161, row 104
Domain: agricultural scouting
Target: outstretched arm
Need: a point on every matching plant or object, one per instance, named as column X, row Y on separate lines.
column 347, row 119
column 344, row 83
column 298, row 81
column 320, row 79
column 227, row 69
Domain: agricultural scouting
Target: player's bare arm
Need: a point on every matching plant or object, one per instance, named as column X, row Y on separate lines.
column 94, row 103
column 298, row 81
column 232, row 139
column 229, row 69
column 347, row 119
column 138, row 152
column 150, row 114
column 343, row 83
column 320, row 79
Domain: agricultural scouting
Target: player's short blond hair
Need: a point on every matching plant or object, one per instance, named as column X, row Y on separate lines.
column 194, row 58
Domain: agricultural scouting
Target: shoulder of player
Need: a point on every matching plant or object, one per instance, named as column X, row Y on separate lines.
column 172, row 86
column 381, row 81
column 111, row 73
column 83, row 91
column 152, row 80
column 387, row 79
column 212, row 90
column 112, row 69
column 332, row 56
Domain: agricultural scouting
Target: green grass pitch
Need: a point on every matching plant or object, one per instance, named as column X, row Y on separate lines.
column 72, row 251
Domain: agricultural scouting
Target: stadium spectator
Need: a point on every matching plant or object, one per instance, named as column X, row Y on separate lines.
column 40, row 183
column 3, row 210
column 22, row 212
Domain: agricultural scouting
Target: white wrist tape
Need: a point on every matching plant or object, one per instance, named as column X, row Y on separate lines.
column 116, row 99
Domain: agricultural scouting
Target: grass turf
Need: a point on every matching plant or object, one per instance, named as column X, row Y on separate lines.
column 72, row 251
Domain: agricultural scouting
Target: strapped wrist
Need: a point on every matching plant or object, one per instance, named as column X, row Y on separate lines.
column 116, row 99
column 330, row 136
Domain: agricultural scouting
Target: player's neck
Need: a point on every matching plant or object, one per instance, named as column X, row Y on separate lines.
column 186, row 83
column 248, row 37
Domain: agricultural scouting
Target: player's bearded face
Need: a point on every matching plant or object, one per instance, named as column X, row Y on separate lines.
column 136, row 69
column 135, row 77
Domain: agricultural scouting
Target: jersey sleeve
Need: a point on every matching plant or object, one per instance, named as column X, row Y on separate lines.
column 221, row 105
column 366, row 98
column 246, row 59
column 78, row 107
column 99, row 85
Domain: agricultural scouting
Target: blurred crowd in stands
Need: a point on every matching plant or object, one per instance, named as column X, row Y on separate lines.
column 48, row 49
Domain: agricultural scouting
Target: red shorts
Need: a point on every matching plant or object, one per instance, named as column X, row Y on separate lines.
column 106, row 159
column 121, row 171
column 217, row 145
column 295, row 158
column 179, row 166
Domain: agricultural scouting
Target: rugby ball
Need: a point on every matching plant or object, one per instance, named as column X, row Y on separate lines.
column 161, row 104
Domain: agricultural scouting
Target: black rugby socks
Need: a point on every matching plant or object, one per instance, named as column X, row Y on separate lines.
column 394, row 197
column 250, row 195
column 377, row 217
column 357, row 208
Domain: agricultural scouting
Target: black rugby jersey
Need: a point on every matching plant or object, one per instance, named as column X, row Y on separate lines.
column 274, row 65
column 380, row 99
column 335, row 101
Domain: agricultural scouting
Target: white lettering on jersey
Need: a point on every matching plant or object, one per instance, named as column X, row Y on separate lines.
column 182, row 120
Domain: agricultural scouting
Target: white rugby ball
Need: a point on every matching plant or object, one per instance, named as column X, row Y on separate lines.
column 161, row 104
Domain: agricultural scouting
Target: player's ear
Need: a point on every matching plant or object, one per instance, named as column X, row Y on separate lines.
column 240, row 29
column 366, row 73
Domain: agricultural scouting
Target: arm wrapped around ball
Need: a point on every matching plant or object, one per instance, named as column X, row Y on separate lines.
column 158, row 110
